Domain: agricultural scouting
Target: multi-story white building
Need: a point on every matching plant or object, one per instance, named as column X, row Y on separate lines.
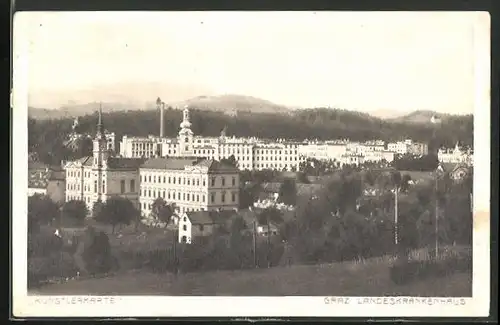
column 259, row 154
column 193, row 184
column 102, row 176
column 250, row 153
column 408, row 147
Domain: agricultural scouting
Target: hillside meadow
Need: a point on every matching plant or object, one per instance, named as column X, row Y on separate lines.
column 367, row 278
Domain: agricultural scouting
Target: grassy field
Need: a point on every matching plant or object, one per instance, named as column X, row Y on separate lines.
column 350, row 279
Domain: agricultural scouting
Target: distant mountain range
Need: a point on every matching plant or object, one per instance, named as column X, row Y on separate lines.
column 229, row 104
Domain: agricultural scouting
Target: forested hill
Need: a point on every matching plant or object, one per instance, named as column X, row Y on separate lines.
column 46, row 136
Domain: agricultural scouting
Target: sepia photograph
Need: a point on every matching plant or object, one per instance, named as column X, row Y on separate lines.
column 247, row 164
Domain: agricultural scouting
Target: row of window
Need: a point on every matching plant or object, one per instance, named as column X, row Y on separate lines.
column 184, row 180
column 183, row 196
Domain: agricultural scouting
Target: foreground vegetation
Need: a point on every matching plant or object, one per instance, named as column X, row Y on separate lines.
column 369, row 278
column 338, row 224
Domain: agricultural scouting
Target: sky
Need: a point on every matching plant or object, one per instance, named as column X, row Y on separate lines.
column 365, row 61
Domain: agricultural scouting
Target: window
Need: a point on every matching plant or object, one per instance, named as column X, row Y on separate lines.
column 169, row 179
column 223, row 197
column 184, row 240
column 95, row 186
column 233, row 197
column 163, row 196
column 201, row 227
column 212, row 198
column 149, row 178
column 178, row 195
column 122, row 186
column 149, row 193
column 168, row 195
column 213, row 181
column 184, row 227
column 189, row 181
column 204, row 183
column 184, row 196
column 188, row 197
column 164, row 179
column 223, row 181
column 103, row 186
column 132, row 185
column 233, row 181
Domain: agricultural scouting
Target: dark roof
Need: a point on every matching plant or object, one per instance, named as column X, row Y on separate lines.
column 217, row 166
column 181, row 163
column 168, row 163
column 85, row 161
column 124, row 163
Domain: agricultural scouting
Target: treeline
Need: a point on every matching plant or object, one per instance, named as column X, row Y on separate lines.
column 46, row 136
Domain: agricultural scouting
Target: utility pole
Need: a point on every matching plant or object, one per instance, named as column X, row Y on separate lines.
column 254, row 245
column 437, row 216
column 176, row 237
column 396, row 215
column 268, row 242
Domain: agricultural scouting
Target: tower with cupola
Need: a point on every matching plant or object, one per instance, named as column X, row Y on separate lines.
column 185, row 136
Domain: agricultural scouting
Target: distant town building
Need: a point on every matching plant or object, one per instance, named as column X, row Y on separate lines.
column 46, row 180
column 102, row 176
column 455, row 155
column 193, row 184
column 408, row 147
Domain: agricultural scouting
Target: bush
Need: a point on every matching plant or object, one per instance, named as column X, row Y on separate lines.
column 43, row 244
column 56, row 265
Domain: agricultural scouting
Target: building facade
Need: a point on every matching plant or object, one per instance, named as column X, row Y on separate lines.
column 259, row 154
column 192, row 184
column 456, row 155
column 102, row 176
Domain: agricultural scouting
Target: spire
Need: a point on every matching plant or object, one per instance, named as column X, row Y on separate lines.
column 100, row 130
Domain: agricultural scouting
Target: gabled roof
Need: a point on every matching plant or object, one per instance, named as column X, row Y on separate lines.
column 217, row 166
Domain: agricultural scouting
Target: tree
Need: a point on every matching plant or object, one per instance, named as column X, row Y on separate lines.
column 75, row 210
column 41, row 211
column 288, row 192
column 161, row 211
column 231, row 160
column 97, row 208
column 270, row 215
column 117, row 211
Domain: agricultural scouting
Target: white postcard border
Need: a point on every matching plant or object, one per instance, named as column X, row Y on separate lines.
column 30, row 306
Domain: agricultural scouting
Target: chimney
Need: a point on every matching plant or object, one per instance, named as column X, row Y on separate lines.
column 162, row 109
